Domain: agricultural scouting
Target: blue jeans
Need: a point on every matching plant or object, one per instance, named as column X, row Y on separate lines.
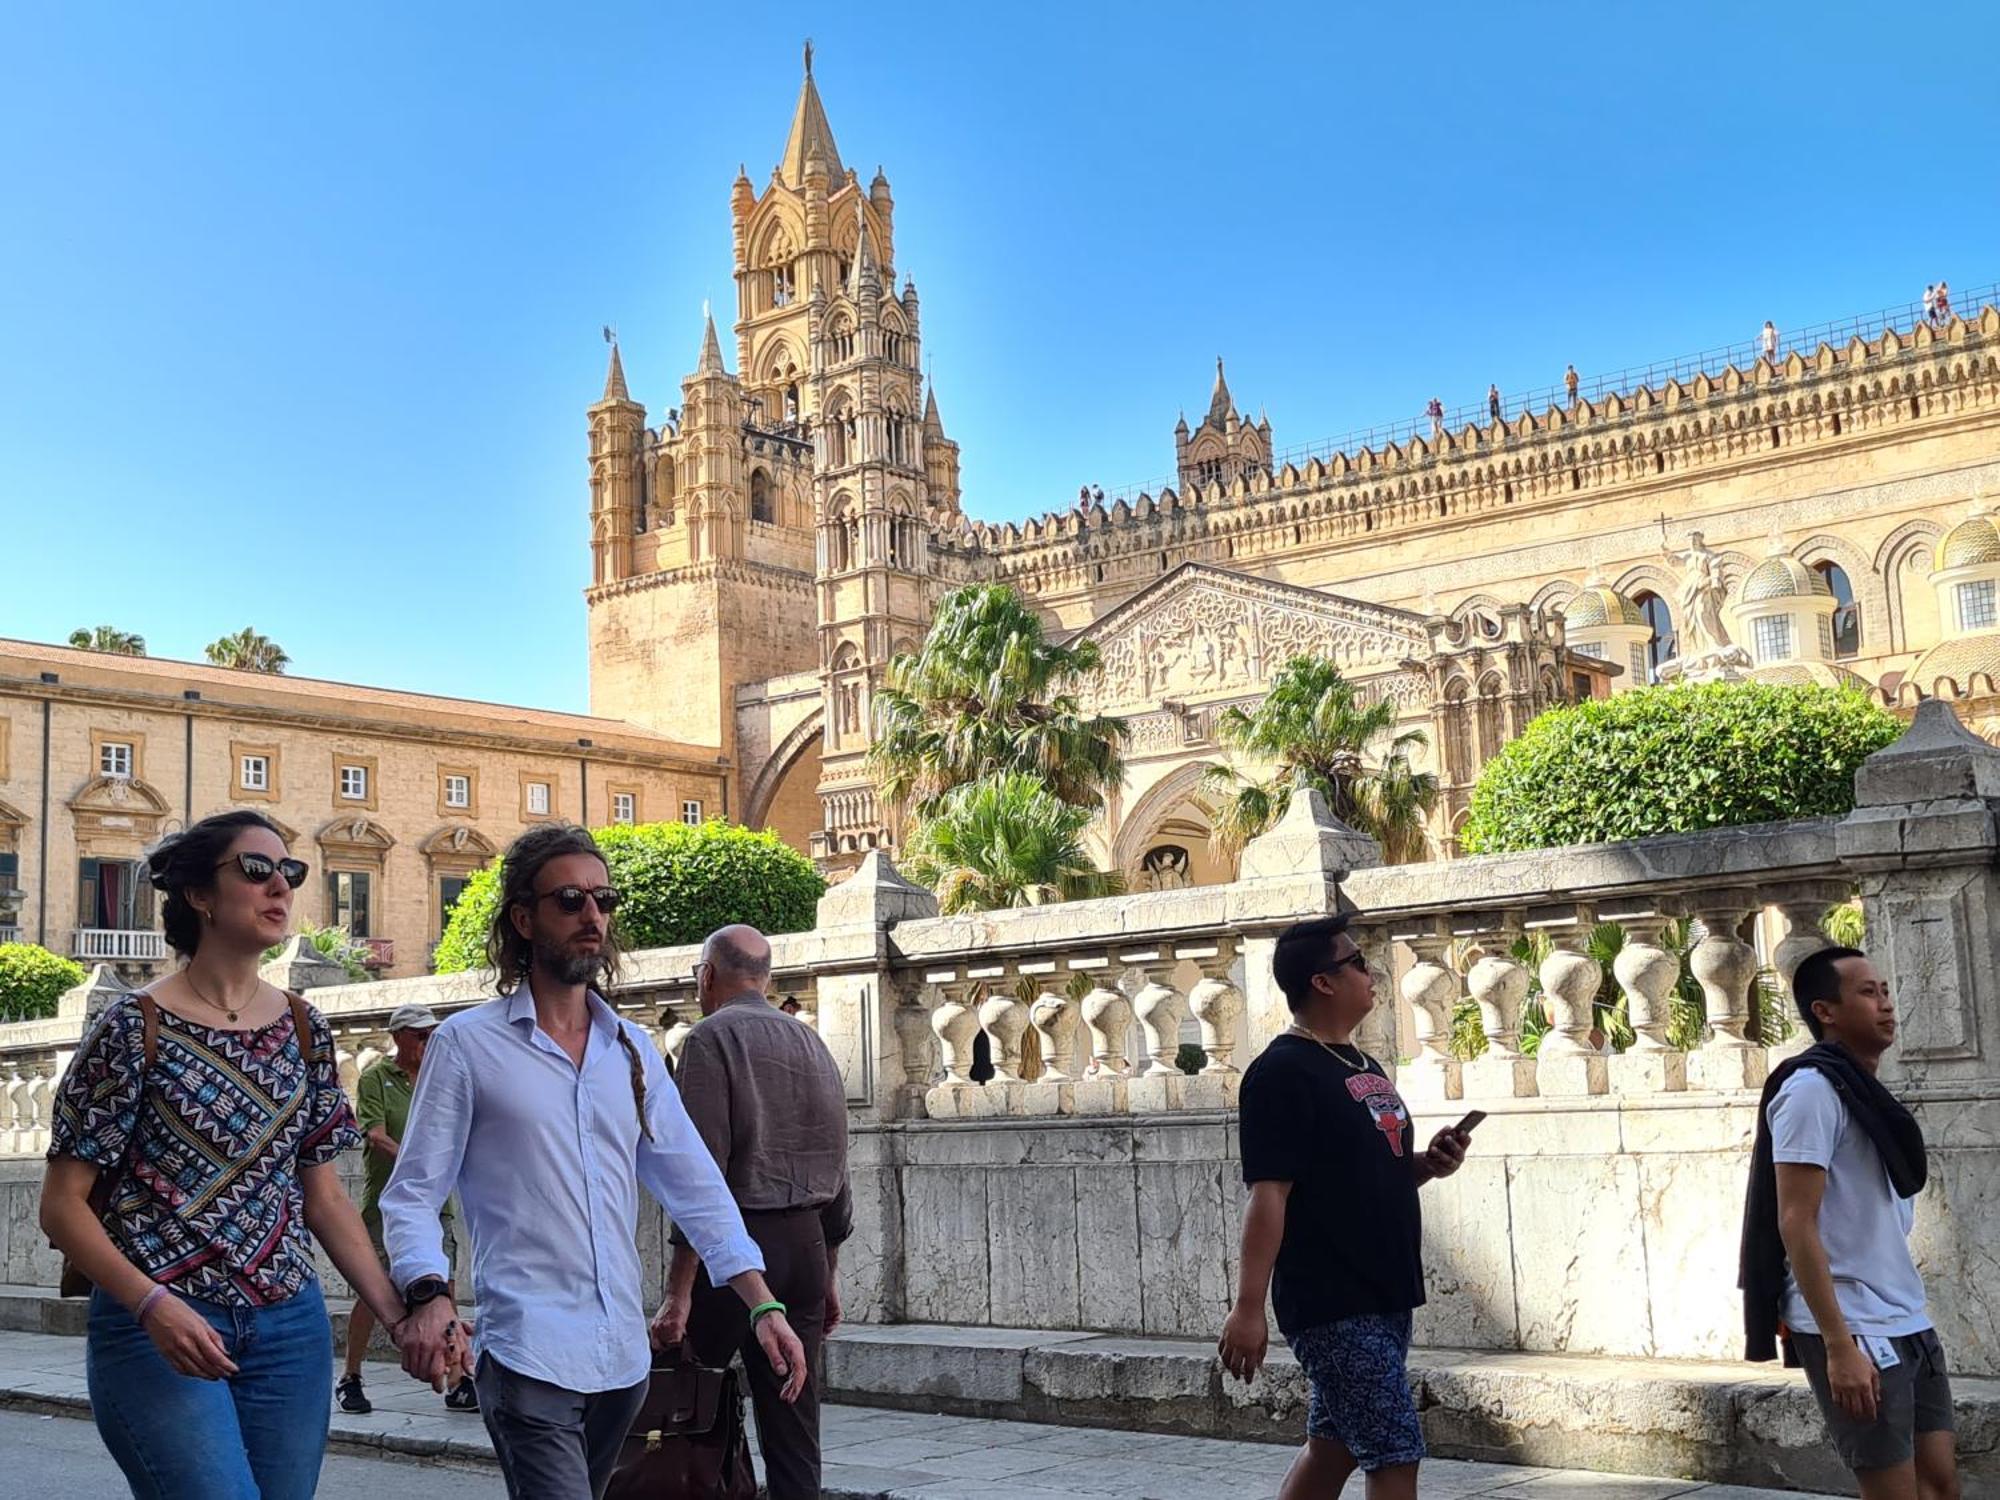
column 259, row 1435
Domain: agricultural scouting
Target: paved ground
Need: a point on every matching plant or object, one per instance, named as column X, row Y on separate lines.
column 870, row 1454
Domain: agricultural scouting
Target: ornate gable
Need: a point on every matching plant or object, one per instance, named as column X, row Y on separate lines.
column 1203, row 631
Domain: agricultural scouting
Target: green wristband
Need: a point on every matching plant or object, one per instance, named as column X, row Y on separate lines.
column 773, row 1306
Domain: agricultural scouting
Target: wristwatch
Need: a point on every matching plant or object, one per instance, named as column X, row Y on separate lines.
column 422, row 1290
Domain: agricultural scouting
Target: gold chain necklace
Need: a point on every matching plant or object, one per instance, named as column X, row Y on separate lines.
column 1333, row 1047
column 188, row 975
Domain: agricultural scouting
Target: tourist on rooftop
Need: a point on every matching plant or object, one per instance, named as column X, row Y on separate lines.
column 1569, row 383
column 1097, row 494
column 1942, row 312
column 1930, row 304
column 1435, row 411
column 1770, row 339
column 1493, row 401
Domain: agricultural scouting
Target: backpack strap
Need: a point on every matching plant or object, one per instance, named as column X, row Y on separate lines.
column 638, row 1078
column 149, row 1017
column 302, row 1026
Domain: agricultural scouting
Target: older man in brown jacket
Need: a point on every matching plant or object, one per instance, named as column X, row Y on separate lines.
column 767, row 1098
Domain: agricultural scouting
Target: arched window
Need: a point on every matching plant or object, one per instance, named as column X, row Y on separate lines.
column 1847, row 614
column 839, row 539
column 1662, row 646
column 763, row 503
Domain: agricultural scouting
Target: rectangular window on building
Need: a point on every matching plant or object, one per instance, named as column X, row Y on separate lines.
column 112, row 897
column 347, row 900
column 354, row 783
column 1641, row 672
column 114, row 758
column 1772, row 638
column 256, row 773
column 538, row 798
column 1599, row 649
column 1976, row 605
column 458, row 791
column 1826, row 637
column 691, row 813
column 624, row 807
column 450, row 888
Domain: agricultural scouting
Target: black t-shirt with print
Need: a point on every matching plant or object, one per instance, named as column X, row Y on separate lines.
column 1353, row 1236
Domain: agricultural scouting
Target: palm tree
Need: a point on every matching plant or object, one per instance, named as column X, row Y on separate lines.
column 988, row 694
column 249, row 652
column 1314, row 729
column 1004, row 840
column 109, row 639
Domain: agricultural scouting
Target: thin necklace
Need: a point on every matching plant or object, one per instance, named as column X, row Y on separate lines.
column 1333, row 1047
column 188, row 974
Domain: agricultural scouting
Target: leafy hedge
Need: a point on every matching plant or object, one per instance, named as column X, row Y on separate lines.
column 32, row 980
column 1675, row 760
column 680, row 883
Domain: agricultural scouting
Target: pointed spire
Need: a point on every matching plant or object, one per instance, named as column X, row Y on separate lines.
column 933, row 423
column 862, row 274
column 711, row 347
column 1219, row 404
column 614, row 378
column 811, row 135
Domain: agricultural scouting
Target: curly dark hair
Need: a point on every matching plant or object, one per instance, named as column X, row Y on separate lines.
column 186, row 861
column 508, row 954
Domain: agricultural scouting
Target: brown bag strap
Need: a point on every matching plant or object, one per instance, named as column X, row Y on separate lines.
column 149, row 1017
column 302, row 1025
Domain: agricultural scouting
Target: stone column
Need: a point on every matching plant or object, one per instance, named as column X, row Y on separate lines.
column 9, row 1077
column 1922, row 839
column 1647, row 973
column 1499, row 983
column 1803, row 908
column 1432, row 990
column 1107, row 1015
column 1056, row 1022
column 954, row 1023
column 1376, row 1035
column 1159, row 1008
column 911, row 1020
column 1566, row 1063
column 1726, row 968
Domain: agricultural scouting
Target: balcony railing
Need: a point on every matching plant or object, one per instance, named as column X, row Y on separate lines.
column 10, row 934
column 116, row 945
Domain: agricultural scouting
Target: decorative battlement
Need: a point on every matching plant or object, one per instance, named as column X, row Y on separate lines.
column 1624, row 438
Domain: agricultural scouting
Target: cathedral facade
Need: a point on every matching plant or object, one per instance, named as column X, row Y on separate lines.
column 763, row 550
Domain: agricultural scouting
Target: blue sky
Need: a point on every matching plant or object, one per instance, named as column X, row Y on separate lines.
column 299, row 307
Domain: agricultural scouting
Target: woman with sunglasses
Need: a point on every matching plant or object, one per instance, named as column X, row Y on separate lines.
column 191, row 1166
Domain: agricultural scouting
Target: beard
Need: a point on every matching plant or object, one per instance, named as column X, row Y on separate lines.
column 567, row 967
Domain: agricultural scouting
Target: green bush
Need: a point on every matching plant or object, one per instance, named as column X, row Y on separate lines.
column 32, row 979
column 1675, row 760
column 680, row 883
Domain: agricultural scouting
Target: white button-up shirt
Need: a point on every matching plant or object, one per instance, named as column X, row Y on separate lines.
column 547, row 1158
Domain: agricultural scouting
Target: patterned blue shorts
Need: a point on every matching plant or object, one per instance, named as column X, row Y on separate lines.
column 1359, row 1372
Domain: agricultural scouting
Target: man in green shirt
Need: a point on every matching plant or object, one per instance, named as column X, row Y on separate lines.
column 382, row 1108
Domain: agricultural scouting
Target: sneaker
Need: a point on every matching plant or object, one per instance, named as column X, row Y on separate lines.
column 352, row 1398
column 462, row 1397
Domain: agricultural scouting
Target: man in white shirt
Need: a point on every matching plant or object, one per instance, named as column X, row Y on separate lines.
column 546, row 1112
column 1848, row 1161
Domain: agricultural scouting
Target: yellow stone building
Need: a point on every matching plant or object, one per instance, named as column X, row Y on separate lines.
column 1810, row 513
column 394, row 798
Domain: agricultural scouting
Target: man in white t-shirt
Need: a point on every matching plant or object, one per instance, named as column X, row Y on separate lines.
column 1848, row 1161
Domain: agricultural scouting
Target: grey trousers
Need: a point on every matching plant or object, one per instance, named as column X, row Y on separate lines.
column 553, row 1444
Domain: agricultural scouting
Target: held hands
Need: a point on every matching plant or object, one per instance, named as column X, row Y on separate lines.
column 1245, row 1340
column 670, row 1323
column 184, row 1337
column 435, row 1346
column 1446, row 1152
column 787, row 1355
column 1852, row 1377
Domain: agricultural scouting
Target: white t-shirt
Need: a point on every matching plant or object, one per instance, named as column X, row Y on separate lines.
column 1864, row 1226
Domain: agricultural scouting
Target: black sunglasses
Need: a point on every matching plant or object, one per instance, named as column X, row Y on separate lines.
column 259, row 868
column 570, row 898
column 1357, row 960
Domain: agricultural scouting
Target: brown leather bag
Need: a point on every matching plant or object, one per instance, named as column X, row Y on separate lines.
column 104, row 1190
column 689, row 1441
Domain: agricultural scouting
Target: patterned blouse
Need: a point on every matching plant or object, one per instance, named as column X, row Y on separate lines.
column 214, row 1097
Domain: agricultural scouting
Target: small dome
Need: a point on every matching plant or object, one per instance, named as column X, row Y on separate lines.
column 1960, row 661
column 1809, row 674
column 1599, row 604
column 1783, row 578
column 1975, row 540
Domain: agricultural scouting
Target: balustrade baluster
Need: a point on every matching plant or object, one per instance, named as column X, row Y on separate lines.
column 1431, row 990
column 954, row 1023
column 1107, row 1016
column 41, row 1106
column 1647, row 973
column 1056, row 1022
column 1498, row 983
column 1726, row 968
column 1566, row 1063
column 8, row 1077
column 1160, row 1009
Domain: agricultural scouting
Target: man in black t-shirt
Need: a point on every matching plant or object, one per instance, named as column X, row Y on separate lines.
column 1333, row 1173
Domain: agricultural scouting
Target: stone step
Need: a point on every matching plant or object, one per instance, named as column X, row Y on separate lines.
column 1725, row 1423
